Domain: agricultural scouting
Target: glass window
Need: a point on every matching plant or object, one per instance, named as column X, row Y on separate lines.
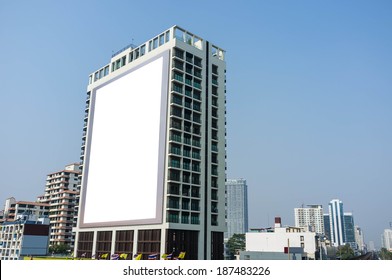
column 167, row 36
column 155, row 43
column 161, row 39
column 179, row 34
column 142, row 50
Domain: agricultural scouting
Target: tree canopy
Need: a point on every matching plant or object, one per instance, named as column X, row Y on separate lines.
column 236, row 242
column 345, row 252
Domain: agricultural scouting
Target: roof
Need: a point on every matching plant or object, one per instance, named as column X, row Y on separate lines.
column 32, row 203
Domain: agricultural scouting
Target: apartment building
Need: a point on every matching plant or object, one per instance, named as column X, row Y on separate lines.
column 61, row 190
column 310, row 217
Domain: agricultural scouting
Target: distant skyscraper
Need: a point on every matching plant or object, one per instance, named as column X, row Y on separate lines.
column 327, row 226
column 359, row 239
column 310, row 217
column 349, row 230
column 336, row 222
column 153, row 151
column 236, row 207
column 341, row 225
column 386, row 239
column 372, row 247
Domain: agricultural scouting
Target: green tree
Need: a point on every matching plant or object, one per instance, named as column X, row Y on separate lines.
column 59, row 249
column 236, row 242
column 345, row 252
column 385, row 254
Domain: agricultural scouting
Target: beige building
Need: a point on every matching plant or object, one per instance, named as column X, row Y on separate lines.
column 311, row 217
column 60, row 195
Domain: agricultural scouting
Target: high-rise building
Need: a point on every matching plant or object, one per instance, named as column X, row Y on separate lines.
column 359, row 239
column 349, row 231
column 61, row 190
column 336, row 222
column 386, row 239
column 339, row 226
column 310, row 217
column 236, row 207
column 153, row 151
column 327, row 226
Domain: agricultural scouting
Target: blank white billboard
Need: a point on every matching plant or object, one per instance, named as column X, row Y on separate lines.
column 123, row 176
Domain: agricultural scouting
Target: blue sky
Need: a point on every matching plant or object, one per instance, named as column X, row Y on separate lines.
column 308, row 94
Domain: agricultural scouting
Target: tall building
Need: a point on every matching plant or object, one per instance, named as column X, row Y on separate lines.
column 372, row 247
column 61, row 190
column 336, row 222
column 236, row 207
column 340, row 229
column 310, row 217
column 327, row 226
column 386, row 239
column 153, row 151
column 349, row 231
column 359, row 239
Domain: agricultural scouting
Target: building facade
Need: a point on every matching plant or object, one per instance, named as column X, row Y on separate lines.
column 153, row 151
column 61, row 190
column 27, row 235
column 310, row 217
column 236, row 207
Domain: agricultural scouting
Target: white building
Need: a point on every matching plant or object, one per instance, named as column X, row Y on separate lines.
column 236, row 207
column 153, row 151
column 336, row 222
column 26, row 236
column 311, row 217
column 277, row 239
column 14, row 208
column 386, row 239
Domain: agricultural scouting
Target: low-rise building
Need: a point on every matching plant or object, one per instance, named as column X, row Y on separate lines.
column 27, row 235
column 280, row 243
column 14, row 208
